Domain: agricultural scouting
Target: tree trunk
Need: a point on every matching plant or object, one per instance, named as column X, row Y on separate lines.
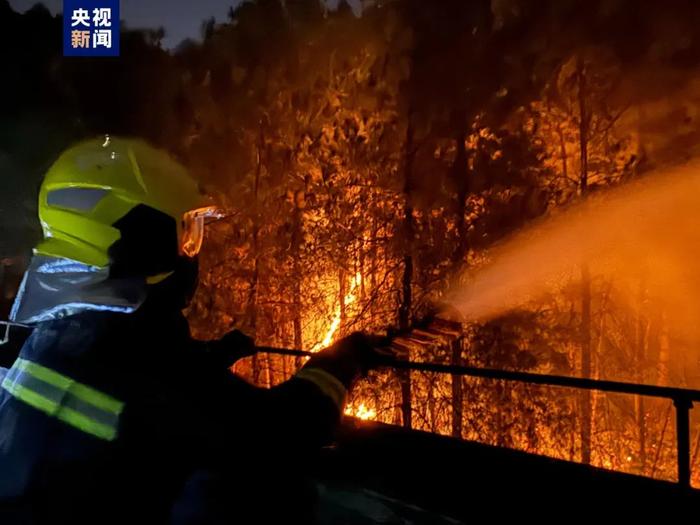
column 502, row 392
column 296, row 291
column 586, row 415
column 640, row 359
column 406, row 280
column 373, row 256
column 457, row 392
column 562, row 152
column 458, row 173
column 432, row 413
column 342, row 292
column 664, row 350
column 362, row 272
column 252, row 304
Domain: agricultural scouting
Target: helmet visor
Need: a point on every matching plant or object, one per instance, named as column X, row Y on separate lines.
column 193, row 223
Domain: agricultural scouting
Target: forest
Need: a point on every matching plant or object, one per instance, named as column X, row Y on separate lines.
column 528, row 163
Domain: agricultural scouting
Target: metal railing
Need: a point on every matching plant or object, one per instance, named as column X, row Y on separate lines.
column 682, row 398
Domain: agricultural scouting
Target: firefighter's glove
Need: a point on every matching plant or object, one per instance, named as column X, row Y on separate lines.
column 352, row 357
column 231, row 347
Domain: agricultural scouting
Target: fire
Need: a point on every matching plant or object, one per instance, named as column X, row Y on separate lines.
column 361, row 412
column 350, row 298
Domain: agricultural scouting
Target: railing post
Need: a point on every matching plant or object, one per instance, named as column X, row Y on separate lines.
column 683, row 406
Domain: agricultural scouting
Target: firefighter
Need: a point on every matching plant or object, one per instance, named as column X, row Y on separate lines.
column 112, row 412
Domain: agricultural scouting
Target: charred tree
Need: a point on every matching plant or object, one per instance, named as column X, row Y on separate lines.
column 458, row 174
column 406, row 280
column 252, row 303
column 585, row 329
column 457, row 391
column 640, row 361
column 296, row 284
column 664, row 343
column 342, row 292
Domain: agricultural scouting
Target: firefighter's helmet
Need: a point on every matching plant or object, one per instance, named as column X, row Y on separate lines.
column 121, row 203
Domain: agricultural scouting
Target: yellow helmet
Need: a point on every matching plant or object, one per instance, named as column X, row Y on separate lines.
column 121, row 203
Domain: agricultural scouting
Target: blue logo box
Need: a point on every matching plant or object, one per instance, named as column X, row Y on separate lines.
column 91, row 28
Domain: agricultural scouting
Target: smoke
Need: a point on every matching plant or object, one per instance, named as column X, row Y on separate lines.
column 642, row 234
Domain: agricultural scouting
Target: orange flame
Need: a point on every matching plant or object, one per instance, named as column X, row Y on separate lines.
column 361, row 412
column 350, row 298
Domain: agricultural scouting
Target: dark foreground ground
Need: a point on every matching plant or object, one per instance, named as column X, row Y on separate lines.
column 383, row 474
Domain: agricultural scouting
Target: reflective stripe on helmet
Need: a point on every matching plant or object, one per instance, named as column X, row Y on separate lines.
column 327, row 383
column 59, row 396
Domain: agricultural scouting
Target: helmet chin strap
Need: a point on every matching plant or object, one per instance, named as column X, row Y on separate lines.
column 179, row 287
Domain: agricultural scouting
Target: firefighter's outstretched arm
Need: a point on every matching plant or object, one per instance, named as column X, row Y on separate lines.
column 312, row 401
column 303, row 412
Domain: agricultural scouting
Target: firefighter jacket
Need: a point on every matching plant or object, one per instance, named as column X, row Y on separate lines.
column 106, row 416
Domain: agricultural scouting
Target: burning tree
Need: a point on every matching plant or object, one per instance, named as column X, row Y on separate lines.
column 372, row 159
column 375, row 162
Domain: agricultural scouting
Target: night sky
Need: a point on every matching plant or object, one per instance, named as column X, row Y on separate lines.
column 180, row 18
